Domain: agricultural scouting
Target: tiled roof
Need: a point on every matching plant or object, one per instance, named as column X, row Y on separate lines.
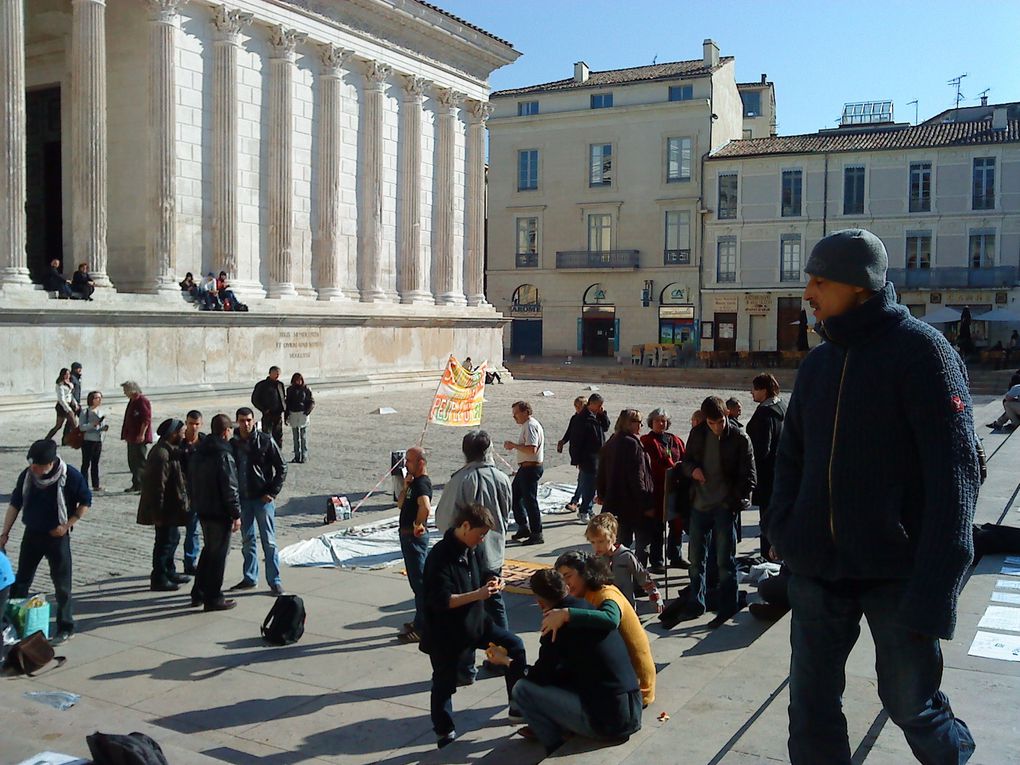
column 670, row 71
column 757, row 84
column 925, row 135
column 468, row 24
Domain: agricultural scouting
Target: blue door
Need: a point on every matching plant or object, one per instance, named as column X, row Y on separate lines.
column 526, row 337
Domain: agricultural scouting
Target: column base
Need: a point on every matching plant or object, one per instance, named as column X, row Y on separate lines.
column 333, row 295
column 101, row 280
column 417, row 297
column 451, row 298
column 162, row 288
column 247, row 290
column 281, row 290
column 477, row 300
column 374, row 296
column 15, row 279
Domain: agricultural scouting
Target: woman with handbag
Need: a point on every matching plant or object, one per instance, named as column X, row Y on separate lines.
column 299, row 405
column 93, row 426
column 66, row 405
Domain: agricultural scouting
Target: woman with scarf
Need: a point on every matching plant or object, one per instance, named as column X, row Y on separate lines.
column 664, row 451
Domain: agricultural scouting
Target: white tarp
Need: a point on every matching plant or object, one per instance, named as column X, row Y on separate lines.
column 377, row 544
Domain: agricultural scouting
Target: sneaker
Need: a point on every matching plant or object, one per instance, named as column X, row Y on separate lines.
column 179, row 578
column 515, row 717
column 447, row 739
column 520, row 535
column 244, row 584
column 164, row 586
column 536, row 540
column 527, row 732
column 464, row 680
column 992, row 425
column 658, row 570
column 61, row 637
column 277, row 590
column 223, row 605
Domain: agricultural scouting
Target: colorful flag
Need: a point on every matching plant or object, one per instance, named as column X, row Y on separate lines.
column 459, row 398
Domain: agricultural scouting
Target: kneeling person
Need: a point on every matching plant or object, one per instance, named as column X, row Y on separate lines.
column 455, row 618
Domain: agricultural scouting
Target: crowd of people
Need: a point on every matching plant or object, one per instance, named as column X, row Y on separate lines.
column 212, row 293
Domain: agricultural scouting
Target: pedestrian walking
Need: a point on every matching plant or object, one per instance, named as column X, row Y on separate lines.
column 572, row 425
column 530, row 453
column 51, row 497
column 300, row 404
column 66, row 405
column 586, row 435
column 193, row 437
column 269, row 397
column 93, row 426
column 873, row 521
column 164, row 504
column 136, row 431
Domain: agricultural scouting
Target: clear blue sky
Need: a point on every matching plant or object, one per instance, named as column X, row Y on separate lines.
column 819, row 53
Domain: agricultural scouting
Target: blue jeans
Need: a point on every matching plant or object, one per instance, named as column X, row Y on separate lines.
column 586, row 488
column 192, row 545
column 719, row 523
column 525, row 499
column 826, row 625
column 300, row 443
column 254, row 511
column 551, row 710
column 415, row 550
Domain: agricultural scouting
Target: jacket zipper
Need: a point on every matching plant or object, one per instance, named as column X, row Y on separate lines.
column 832, row 450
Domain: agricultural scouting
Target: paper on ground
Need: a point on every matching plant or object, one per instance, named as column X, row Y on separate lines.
column 1008, row 584
column 992, row 646
column 54, row 758
column 1006, row 597
column 1001, row 618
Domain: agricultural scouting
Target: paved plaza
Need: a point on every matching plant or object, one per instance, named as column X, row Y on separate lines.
column 206, row 687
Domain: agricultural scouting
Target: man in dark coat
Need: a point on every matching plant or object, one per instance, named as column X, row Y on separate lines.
column 164, row 504
column 212, row 474
column 624, row 480
column 269, row 397
column 189, row 445
column 586, row 435
column 873, row 522
column 764, row 428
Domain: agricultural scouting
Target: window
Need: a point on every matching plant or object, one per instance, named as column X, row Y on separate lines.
column 747, row 133
column 918, row 248
column 678, row 159
column 726, row 259
column 681, row 92
column 600, row 233
column 920, row 187
column 793, row 188
column 601, row 100
column 527, row 243
column 853, row 190
column 527, row 170
column 790, row 252
column 984, row 183
column 527, row 108
column 982, row 248
column 677, row 251
column 727, row 196
column 752, row 102
column 600, row 164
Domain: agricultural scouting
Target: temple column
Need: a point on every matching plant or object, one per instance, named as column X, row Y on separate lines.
column 411, row 268
column 474, row 206
column 448, row 262
column 328, row 249
column 88, row 137
column 371, row 195
column 280, row 187
column 161, row 245
column 13, row 258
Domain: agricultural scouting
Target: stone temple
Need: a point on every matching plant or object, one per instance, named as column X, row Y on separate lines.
column 329, row 155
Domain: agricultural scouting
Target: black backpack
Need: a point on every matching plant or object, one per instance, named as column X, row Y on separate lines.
column 133, row 749
column 285, row 622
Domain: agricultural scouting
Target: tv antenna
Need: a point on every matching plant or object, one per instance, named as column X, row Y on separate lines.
column 914, row 102
column 983, row 93
column 956, row 81
column 655, row 58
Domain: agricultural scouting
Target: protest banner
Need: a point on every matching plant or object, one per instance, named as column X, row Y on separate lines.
column 459, row 397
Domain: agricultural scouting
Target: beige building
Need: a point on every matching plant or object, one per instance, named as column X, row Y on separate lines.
column 943, row 195
column 329, row 156
column 594, row 201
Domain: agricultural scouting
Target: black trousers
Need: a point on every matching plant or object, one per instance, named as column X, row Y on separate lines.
column 163, row 551
column 36, row 545
column 273, row 423
column 91, row 451
column 208, row 586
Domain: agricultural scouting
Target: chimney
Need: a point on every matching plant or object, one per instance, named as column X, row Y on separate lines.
column 580, row 72
column 984, row 100
column 999, row 118
column 711, row 54
column 764, row 78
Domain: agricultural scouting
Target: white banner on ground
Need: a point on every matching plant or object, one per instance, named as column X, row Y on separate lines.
column 992, row 646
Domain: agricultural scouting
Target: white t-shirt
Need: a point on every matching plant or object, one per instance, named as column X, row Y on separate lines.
column 532, row 435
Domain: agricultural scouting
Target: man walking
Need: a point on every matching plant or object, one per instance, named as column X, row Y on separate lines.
column 873, row 524
column 136, row 431
column 530, row 449
column 270, row 398
column 587, row 436
column 415, row 508
column 212, row 474
column 189, row 445
column 261, row 472
column 720, row 464
column 164, row 504
column 52, row 497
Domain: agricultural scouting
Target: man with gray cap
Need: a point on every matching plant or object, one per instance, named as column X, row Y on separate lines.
column 164, row 504
column 52, row 497
column 873, row 526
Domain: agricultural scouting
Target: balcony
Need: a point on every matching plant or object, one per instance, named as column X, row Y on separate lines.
column 676, row 257
column 942, row 278
column 604, row 259
column 527, row 260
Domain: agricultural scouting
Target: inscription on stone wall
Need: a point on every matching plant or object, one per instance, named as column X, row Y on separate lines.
column 299, row 343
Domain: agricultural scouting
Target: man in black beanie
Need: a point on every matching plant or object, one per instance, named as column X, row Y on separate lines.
column 164, row 504
column 871, row 526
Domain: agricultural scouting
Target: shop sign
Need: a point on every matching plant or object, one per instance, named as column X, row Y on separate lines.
column 756, row 305
column 676, row 312
column 725, row 303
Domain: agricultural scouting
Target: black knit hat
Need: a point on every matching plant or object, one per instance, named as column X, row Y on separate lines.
column 42, row 452
column 169, row 427
column 851, row 256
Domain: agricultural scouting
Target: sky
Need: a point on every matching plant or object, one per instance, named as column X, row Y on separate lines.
column 820, row 54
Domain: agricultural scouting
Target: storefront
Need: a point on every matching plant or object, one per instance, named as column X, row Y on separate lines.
column 677, row 323
column 598, row 329
column 526, row 322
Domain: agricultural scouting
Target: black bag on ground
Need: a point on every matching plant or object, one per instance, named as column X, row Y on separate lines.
column 995, row 539
column 285, row 622
column 132, row 749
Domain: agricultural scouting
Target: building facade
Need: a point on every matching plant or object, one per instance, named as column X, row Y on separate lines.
column 943, row 195
column 329, row 156
column 594, row 203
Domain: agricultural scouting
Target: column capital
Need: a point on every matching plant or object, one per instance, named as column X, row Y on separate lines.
column 165, row 11
column 413, row 86
column 449, row 99
column 376, row 72
column 282, row 42
column 228, row 22
column 333, row 58
column 480, row 111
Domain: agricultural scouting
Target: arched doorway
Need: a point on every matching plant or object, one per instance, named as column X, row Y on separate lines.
column 598, row 327
column 526, row 322
column 676, row 315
